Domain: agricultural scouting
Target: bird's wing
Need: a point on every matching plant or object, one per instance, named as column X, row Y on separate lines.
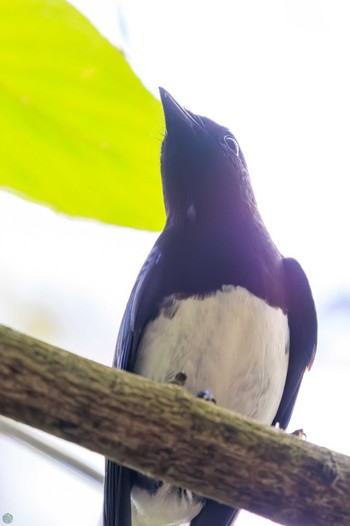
column 302, row 322
column 141, row 307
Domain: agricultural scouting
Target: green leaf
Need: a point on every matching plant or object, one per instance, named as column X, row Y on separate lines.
column 78, row 129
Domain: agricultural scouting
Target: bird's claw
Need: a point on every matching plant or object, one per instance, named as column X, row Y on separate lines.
column 179, row 379
column 299, row 433
column 207, row 396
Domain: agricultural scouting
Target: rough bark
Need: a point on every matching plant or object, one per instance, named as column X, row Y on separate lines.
column 168, row 434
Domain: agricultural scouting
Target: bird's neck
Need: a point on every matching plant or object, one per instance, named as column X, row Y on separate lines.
column 230, row 250
column 217, row 216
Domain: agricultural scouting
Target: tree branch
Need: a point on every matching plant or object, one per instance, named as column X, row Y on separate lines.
column 166, row 433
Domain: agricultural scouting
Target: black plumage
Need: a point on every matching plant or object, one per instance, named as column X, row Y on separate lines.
column 214, row 236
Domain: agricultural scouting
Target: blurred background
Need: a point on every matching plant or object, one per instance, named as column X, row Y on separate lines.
column 277, row 74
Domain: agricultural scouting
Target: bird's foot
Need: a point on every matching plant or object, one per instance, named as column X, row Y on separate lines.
column 299, row 433
column 207, row 396
column 179, row 379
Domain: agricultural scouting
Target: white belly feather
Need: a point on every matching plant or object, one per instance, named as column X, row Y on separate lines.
column 231, row 343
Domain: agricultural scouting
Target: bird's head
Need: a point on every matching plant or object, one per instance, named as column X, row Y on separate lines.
column 204, row 173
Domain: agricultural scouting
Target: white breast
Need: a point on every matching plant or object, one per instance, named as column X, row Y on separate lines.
column 231, row 343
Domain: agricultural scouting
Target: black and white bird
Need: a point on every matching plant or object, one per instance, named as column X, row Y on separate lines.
column 215, row 301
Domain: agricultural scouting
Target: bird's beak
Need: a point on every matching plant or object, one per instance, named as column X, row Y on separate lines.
column 176, row 117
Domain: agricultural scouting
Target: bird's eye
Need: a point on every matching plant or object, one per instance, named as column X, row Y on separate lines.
column 232, row 144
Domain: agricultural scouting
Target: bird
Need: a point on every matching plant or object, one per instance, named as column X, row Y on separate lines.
column 215, row 307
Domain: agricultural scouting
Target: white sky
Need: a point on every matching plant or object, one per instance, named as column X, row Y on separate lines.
column 276, row 73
